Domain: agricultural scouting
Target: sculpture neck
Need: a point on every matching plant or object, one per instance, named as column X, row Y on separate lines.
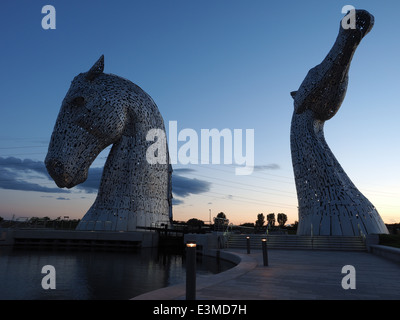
column 126, row 163
column 123, row 166
column 317, row 172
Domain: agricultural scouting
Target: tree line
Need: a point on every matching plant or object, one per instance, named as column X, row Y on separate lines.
column 262, row 222
column 37, row 222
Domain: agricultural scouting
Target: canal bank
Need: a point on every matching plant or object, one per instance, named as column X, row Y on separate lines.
column 74, row 238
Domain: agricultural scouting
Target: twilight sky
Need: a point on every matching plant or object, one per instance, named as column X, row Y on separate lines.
column 226, row 64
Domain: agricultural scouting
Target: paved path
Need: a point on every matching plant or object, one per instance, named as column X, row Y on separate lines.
column 296, row 274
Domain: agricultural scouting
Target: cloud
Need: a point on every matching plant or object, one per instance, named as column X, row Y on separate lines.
column 183, row 187
column 23, row 165
column 14, row 176
column 176, row 202
column 92, row 183
column 184, row 170
column 272, row 166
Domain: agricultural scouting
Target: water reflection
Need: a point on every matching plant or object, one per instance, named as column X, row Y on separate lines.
column 94, row 274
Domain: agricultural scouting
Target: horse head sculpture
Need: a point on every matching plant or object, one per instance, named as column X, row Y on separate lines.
column 324, row 88
column 329, row 203
column 100, row 110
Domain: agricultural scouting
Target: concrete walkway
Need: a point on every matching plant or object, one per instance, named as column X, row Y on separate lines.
column 294, row 274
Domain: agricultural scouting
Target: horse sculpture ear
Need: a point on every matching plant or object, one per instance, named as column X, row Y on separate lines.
column 293, row 94
column 97, row 69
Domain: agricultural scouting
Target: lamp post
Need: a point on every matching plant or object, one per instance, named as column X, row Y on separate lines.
column 191, row 271
column 264, row 250
column 248, row 244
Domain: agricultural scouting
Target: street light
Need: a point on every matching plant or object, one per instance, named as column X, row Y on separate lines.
column 248, row 244
column 191, row 271
column 264, row 250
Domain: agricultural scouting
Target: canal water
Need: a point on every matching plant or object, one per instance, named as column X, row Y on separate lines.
column 94, row 274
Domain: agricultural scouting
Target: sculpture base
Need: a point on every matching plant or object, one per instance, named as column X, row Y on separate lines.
column 341, row 224
column 97, row 219
column 80, row 239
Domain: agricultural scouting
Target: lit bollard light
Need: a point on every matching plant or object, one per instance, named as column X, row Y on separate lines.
column 191, row 271
column 248, row 244
column 265, row 252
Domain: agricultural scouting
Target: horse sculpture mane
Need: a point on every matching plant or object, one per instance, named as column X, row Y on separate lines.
column 99, row 110
column 329, row 203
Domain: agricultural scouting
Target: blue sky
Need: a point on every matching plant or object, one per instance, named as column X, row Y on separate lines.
column 207, row 64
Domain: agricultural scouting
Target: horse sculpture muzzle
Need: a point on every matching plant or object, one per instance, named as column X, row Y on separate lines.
column 56, row 170
column 60, row 175
column 72, row 150
column 70, row 153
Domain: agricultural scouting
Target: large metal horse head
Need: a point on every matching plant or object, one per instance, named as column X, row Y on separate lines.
column 324, row 88
column 99, row 110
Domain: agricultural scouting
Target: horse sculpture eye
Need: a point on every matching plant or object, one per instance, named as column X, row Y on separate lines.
column 78, row 101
